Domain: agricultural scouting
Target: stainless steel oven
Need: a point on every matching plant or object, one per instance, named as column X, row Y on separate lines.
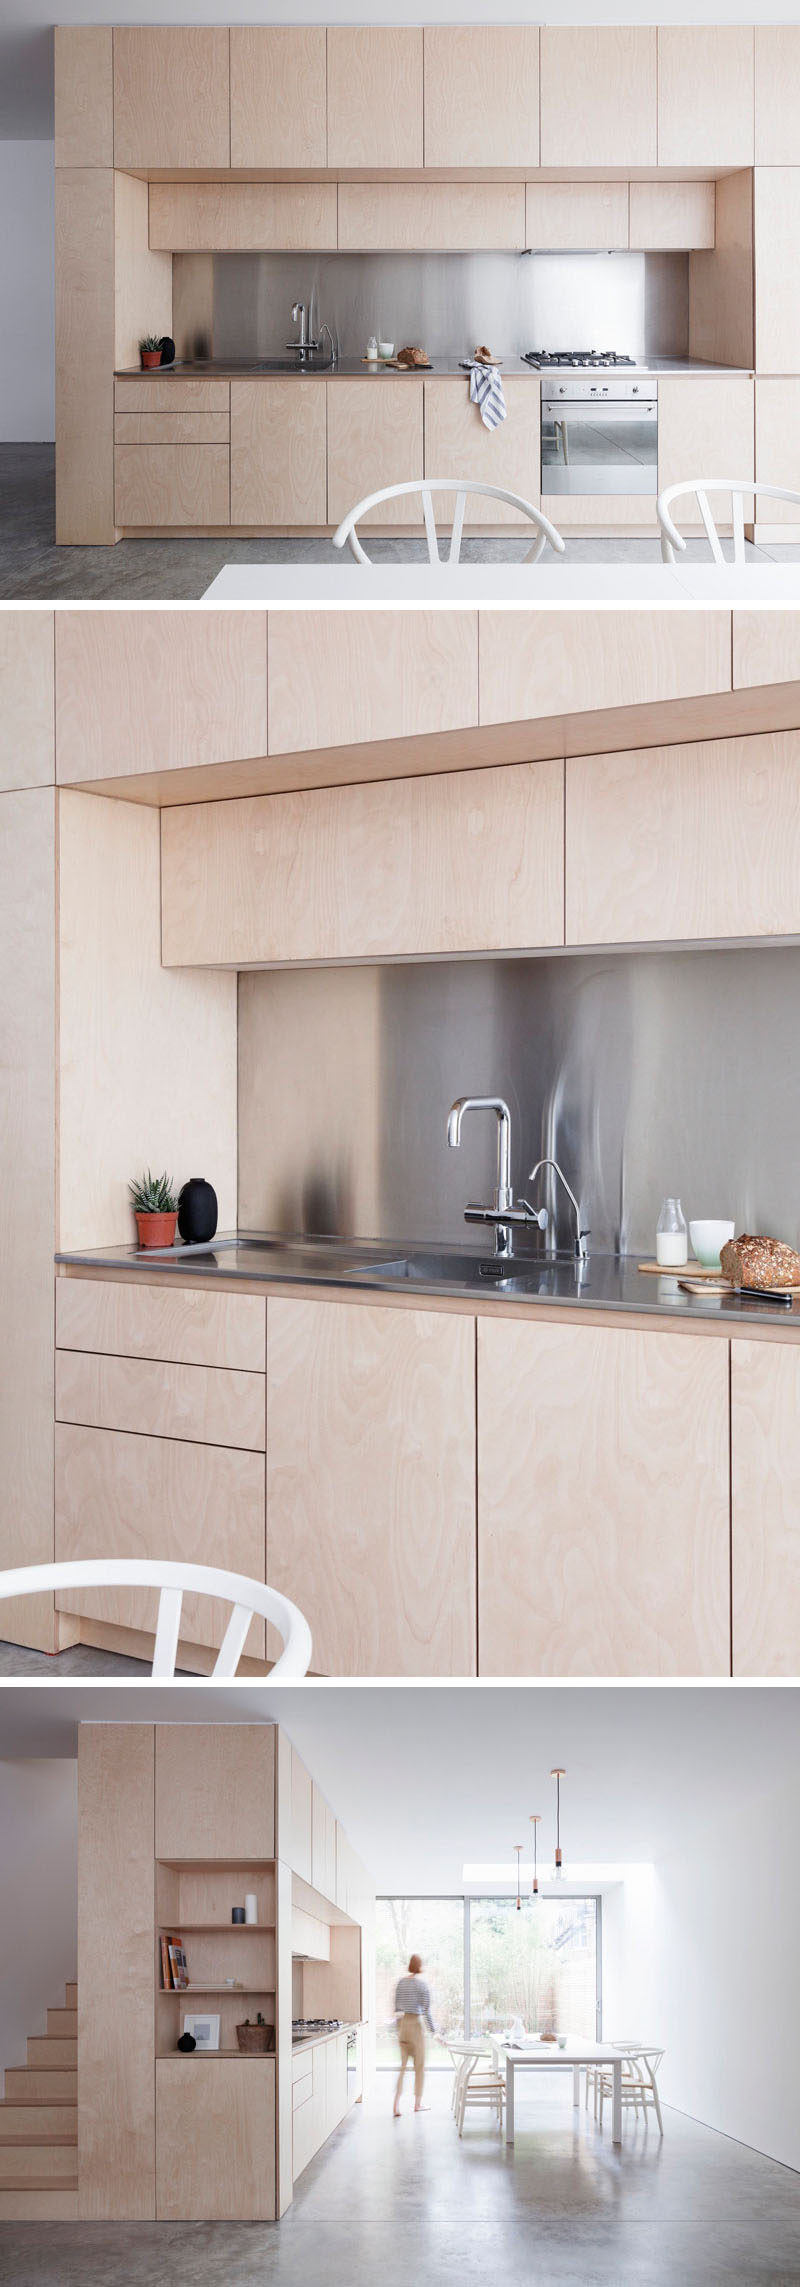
column 599, row 435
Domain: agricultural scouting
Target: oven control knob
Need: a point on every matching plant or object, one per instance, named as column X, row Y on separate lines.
column 635, row 390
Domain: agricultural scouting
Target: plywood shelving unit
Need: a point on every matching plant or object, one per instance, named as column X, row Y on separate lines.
column 194, row 1901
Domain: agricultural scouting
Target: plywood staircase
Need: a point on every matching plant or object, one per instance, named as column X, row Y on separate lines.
column 39, row 2124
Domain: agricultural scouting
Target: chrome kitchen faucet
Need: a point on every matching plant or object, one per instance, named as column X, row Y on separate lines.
column 503, row 1215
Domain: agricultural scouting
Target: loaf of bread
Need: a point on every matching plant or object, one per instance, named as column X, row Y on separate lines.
column 482, row 355
column 760, row 1262
column 413, row 357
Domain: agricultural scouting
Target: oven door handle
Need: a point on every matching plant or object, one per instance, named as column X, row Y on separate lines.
column 619, row 413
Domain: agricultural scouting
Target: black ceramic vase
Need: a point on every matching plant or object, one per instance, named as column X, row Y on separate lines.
column 187, row 2042
column 197, row 1211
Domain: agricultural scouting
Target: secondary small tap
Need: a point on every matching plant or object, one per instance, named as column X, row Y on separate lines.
column 581, row 1236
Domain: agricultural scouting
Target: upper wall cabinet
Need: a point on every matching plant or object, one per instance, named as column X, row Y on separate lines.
column 482, row 97
column 215, row 1791
column 375, row 101
column 278, row 76
column 149, row 690
column 553, row 663
column 576, row 215
column 777, row 105
column 84, row 104
column 705, row 96
column 369, row 675
column 171, row 97
column 453, row 217
column 598, row 96
column 666, row 215
column 776, row 219
column 242, row 217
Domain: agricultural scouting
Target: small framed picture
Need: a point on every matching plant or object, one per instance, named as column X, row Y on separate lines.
column 204, row 2028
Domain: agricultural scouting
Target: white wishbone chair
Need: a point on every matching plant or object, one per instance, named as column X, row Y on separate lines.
column 463, row 489
column 699, row 487
column 249, row 1598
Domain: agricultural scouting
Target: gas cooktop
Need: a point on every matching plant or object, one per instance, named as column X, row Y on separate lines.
column 304, row 2028
column 544, row 358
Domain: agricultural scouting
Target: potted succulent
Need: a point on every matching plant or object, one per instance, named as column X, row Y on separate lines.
column 150, row 349
column 155, row 1208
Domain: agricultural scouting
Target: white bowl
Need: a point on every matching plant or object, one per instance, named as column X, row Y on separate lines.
column 386, row 349
column 708, row 1239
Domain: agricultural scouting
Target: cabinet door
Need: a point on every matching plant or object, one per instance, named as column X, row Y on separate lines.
column 578, row 216
column 242, row 218
column 294, row 1810
column 705, row 95
column 458, row 444
column 776, row 215
column 171, row 97
column 27, row 726
column 603, row 1514
column 664, row 215
column 84, row 100
column 116, row 2031
column 278, row 452
column 539, row 664
column 370, row 676
column 143, row 690
column 704, row 425
column 215, row 1791
column 482, row 96
column 323, row 1845
column 278, row 96
column 777, row 104
column 598, row 97
column 371, row 1496
column 454, row 217
column 182, row 485
column 335, row 2082
column 375, row 99
column 684, row 841
column 215, row 2138
column 777, row 456
column 375, row 438
column 765, row 1479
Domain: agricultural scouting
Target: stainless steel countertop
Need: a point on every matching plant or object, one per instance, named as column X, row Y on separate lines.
column 606, row 1282
column 350, row 368
column 313, row 2040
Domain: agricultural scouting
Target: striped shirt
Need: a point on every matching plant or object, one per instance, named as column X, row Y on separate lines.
column 412, row 1999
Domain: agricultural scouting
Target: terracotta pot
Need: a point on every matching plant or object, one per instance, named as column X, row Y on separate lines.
column 150, row 357
column 156, row 1230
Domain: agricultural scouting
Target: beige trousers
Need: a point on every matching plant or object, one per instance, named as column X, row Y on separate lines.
column 411, row 2036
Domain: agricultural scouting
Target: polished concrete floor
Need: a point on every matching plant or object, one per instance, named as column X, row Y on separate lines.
column 397, row 2201
column 32, row 568
column 81, row 1660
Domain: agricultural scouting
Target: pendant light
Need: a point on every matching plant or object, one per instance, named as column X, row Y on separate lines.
column 558, row 1775
column 535, row 1821
column 518, row 1849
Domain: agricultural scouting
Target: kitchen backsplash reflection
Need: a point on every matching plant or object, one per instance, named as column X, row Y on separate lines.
column 643, row 1073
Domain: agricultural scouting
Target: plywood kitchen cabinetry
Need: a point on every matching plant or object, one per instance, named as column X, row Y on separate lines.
column 163, row 485
column 219, row 2116
column 569, row 215
column 599, row 96
column 562, row 663
column 375, row 98
column 455, row 443
column 481, row 87
column 776, row 213
column 323, row 1845
column 215, row 1792
column 236, row 217
column 693, row 415
column 371, row 1489
column 116, row 2019
column 278, row 95
column 27, row 713
column 765, row 1491
column 777, row 455
column 777, row 94
column 183, row 1326
column 602, row 1502
column 278, row 453
column 295, row 1793
column 375, row 438
column 84, row 116
column 139, row 690
column 171, row 97
column 454, row 217
column 370, row 676
column 665, row 215
column 705, row 95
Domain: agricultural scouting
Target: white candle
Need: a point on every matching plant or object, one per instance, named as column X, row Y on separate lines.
column 251, row 1907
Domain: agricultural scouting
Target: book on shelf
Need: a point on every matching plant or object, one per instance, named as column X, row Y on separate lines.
column 174, row 1965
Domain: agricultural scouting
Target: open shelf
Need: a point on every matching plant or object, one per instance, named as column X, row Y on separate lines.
column 242, row 1992
column 230, row 1929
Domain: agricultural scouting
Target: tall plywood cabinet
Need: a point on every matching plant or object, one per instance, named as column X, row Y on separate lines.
column 116, row 1957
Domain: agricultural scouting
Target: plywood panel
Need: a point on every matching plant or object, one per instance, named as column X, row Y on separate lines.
column 187, row 1327
column 705, row 95
column 172, row 428
column 138, row 690
column 323, row 1845
column 375, row 438
column 208, row 1404
column 375, row 97
column 729, row 807
column 27, row 1192
column 215, row 1791
column 27, row 724
column 370, row 1504
column 555, row 662
column 765, row 1485
column 171, row 97
column 721, row 284
column 766, row 644
column 777, row 233
column 481, row 96
column 777, row 94
column 672, row 214
column 458, row 444
column 142, row 280
column 349, row 676
column 581, row 215
column 120, row 1495
column 777, row 459
column 602, row 1502
column 116, row 2034
column 278, row 452
column 467, row 862
column 154, row 1055
column 150, row 395
column 218, row 2113
column 192, row 217
column 705, row 428
column 457, row 217
column 598, row 96
column 84, row 96
column 171, row 484
column 278, row 90
column 84, row 271
column 294, row 1811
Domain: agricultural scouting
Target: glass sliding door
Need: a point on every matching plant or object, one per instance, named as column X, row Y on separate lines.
column 434, row 1928
column 540, row 1965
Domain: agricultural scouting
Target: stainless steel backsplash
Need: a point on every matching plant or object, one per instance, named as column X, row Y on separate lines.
column 241, row 304
column 643, row 1073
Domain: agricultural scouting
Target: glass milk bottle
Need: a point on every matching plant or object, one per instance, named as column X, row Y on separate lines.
column 671, row 1242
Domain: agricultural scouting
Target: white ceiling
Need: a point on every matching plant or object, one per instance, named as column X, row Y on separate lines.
column 26, row 75
column 426, row 1777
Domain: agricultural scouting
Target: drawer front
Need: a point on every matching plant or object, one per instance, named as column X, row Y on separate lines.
column 209, row 1405
column 149, row 396
column 302, row 2090
column 171, row 428
column 119, row 1495
column 184, row 1328
column 172, row 484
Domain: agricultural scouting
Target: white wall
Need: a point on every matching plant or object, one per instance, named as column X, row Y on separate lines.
column 38, row 1896
column 27, row 338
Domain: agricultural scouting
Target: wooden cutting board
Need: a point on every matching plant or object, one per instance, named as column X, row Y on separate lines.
column 691, row 1275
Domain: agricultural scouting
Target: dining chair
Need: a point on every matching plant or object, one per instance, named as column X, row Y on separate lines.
column 738, row 488
column 464, row 488
column 640, row 2068
column 480, row 2090
column 249, row 1598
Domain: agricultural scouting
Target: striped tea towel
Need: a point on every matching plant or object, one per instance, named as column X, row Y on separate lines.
column 486, row 391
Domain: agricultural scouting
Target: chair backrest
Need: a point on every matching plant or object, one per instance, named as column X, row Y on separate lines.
column 464, row 488
column 248, row 1598
column 738, row 490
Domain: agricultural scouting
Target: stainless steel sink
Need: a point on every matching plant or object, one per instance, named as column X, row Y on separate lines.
column 469, row 1273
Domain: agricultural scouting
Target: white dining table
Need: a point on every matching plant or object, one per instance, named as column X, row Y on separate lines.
column 545, row 2056
column 345, row 583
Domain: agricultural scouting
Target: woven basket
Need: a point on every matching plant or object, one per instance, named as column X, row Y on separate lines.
column 256, row 2040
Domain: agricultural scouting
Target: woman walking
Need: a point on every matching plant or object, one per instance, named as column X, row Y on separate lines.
column 412, row 2006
